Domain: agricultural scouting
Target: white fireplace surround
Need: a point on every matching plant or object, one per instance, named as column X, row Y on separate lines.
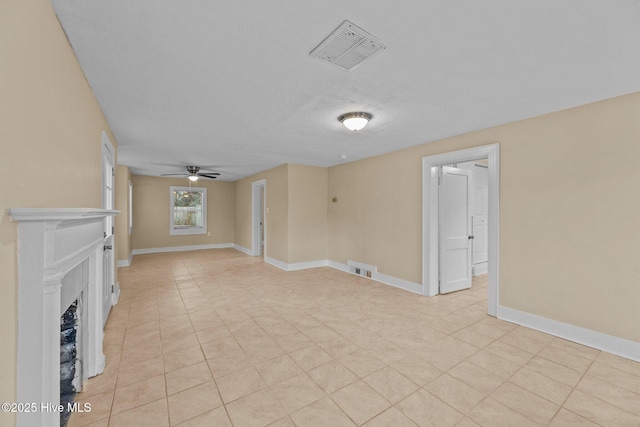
column 52, row 243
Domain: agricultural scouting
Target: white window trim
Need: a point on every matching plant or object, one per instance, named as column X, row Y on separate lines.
column 182, row 231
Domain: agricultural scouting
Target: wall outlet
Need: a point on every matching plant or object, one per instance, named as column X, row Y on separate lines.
column 209, row 233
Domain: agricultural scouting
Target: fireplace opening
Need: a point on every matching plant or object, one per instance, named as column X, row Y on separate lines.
column 70, row 358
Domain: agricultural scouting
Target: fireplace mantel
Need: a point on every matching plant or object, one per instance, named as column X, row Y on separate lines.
column 51, row 243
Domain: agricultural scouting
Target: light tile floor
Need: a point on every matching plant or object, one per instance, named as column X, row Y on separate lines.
column 217, row 338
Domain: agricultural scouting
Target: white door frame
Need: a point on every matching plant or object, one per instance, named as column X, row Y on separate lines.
column 430, row 237
column 256, row 216
column 108, row 155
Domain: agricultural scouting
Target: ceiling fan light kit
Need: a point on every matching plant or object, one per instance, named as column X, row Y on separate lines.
column 193, row 174
column 355, row 121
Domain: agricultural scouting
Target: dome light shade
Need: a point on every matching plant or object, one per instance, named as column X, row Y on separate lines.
column 355, row 121
column 193, row 177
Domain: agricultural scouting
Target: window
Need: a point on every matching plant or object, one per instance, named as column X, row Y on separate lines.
column 188, row 210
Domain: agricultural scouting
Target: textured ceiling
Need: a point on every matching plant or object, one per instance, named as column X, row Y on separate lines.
column 230, row 85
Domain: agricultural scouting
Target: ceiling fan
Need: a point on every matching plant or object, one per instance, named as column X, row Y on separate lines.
column 193, row 173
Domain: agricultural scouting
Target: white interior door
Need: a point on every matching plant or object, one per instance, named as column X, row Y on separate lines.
column 108, row 264
column 455, row 229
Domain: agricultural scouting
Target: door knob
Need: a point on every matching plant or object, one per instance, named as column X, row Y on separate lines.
column 470, row 237
column 107, row 247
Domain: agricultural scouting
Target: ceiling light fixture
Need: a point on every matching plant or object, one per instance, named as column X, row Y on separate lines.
column 193, row 177
column 355, row 121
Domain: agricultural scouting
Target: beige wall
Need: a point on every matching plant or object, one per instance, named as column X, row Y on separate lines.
column 50, row 131
column 568, row 215
column 276, row 221
column 123, row 238
column 307, row 213
column 296, row 224
column 151, row 213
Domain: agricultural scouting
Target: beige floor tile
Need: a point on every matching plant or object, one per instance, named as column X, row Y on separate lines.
column 617, row 396
column 193, row 402
column 278, row 369
column 494, row 364
column 188, row 304
column 467, row 422
column 455, row 393
column 448, row 352
column 100, row 409
column 178, row 342
column 541, row 385
column 138, row 394
column 476, row 377
column 575, row 348
column 566, row 418
column 293, row 342
column 239, row 384
column 516, row 339
column 525, row 402
column 256, row 410
column 279, row 329
column 297, row 392
column 224, row 365
column 221, row 347
column 391, row 384
column 626, row 365
column 565, row 358
column 391, row 418
column 425, row 409
column 615, row 376
column 310, row 357
column 360, row 402
column 490, row 413
column 338, row 347
column 600, row 412
column 362, row 363
column 332, row 376
column 182, row 358
column 136, row 371
column 321, row 413
column 417, row 369
column 470, row 336
column 320, row 334
column 184, row 378
column 215, row 418
column 554, row 371
column 282, row 422
column 152, row 414
column 210, row 334
column 509, row 352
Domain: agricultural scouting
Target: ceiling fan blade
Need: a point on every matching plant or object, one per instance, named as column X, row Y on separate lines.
column 209, row 175
column 173, row 174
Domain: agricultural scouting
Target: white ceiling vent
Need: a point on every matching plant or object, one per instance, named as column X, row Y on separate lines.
column 347, row 46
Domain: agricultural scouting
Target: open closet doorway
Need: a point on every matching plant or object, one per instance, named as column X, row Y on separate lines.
column 258, row 219
column 460, row 224
column 463, row 224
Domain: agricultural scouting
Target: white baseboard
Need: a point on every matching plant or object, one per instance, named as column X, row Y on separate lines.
column 382, row 278
column 481, row 268
column 125, row 262
column 116, row 295
column 296, row 265
column 181, row 248
column 598, row 340
column 242, row 249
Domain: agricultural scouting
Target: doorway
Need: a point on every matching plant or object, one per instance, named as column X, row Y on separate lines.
column 108, row 259
column 258, row 220
column 431, row 274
